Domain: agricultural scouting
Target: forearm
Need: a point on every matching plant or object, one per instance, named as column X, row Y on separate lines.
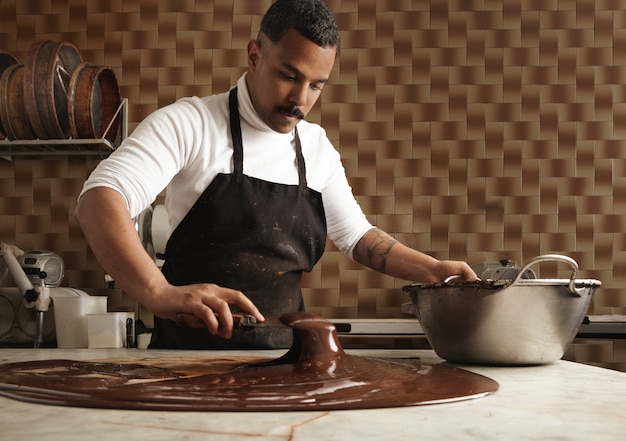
column 111, row 234
column 381, row 252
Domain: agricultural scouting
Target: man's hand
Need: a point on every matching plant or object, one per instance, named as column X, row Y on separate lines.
column 447, row 268
column 209, row 302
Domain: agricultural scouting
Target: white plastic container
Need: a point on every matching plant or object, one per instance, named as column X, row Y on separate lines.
column 109, row 330
column 143, row 340
column 70, row 318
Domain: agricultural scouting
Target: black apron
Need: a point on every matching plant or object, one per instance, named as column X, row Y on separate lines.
column 250, row 235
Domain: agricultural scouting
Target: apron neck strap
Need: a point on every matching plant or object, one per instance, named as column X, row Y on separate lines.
column 300, row 159
column 235, row 133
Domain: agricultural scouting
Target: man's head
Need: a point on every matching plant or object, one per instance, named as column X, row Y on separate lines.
column 291, row 60
column 311, row 18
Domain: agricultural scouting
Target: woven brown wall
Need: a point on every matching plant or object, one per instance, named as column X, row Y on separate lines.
column 469, row 130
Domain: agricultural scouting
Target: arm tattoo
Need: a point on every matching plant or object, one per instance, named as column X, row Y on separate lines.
column 373, row 248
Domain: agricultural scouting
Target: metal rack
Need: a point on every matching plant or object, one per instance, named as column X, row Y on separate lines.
column 66, row 147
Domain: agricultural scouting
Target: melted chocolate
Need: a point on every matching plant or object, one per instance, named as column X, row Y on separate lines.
column 314, row 374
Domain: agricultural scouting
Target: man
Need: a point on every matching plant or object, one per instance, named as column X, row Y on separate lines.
column 252, row 192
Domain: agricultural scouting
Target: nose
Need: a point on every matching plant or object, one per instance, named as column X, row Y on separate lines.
column 298, row 96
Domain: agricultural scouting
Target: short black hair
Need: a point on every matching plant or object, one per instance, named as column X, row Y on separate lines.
column 310, row 18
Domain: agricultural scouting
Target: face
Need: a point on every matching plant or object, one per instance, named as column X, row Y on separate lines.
column 285, row 79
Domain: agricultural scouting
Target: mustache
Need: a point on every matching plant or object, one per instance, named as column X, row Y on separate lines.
column 294, row 111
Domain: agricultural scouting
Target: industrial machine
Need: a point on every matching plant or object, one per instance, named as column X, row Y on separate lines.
column 36, row 274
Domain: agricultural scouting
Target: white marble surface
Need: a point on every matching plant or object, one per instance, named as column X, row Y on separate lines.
column 559, row 401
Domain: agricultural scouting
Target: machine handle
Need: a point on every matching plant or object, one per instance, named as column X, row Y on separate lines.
column 8, row 253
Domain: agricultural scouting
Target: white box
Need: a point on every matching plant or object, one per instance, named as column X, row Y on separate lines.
column 70, row 318
column 109, row 330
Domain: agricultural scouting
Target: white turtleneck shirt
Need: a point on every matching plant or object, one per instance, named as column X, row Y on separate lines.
column 183, row 146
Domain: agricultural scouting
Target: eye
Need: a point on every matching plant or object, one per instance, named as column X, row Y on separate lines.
column 317, row 86
column 289, row 77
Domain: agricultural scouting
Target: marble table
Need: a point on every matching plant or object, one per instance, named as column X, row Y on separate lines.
column 559, row 401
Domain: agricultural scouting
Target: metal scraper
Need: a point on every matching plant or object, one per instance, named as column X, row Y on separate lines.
column 240, row 321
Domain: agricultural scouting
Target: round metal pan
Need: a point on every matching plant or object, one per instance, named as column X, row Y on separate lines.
column 48, row 70
column 12, row 111
column 93, row 102
column 6, row 60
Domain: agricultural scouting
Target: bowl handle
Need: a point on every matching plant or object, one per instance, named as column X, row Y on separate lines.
column 453, row 278
column 546, row 257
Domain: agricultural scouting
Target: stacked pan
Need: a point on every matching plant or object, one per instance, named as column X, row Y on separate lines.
column 54, row 94
column 12, row 97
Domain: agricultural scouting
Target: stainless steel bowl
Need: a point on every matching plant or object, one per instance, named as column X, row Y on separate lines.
column 503, row 322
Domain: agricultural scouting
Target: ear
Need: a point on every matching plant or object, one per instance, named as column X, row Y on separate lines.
column 254, row 54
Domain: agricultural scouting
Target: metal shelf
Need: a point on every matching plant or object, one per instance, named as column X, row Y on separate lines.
column 56, row 147
column 66, row 147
